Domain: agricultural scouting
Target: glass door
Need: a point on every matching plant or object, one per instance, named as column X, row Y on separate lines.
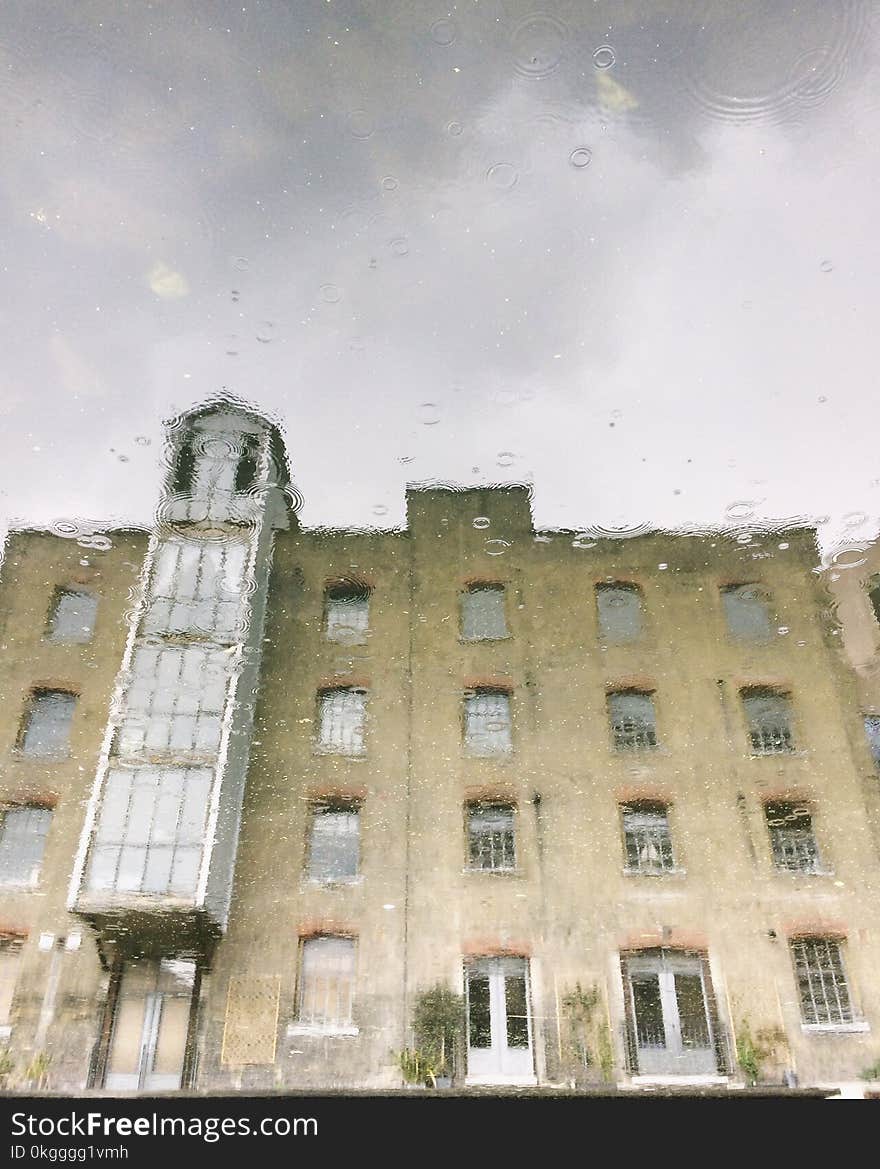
column 499, row 1022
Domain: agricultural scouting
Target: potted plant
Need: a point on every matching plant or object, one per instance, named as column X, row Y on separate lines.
column 587, row 1036
column 438, row 1026
column 768, row 1045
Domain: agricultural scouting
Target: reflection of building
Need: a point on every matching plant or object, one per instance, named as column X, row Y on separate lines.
column 614, row 792
column 854, row 580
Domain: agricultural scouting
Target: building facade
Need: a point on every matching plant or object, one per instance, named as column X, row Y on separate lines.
column 266, row 789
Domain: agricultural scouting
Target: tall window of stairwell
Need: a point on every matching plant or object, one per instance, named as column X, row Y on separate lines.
column 346, row 612
column 197, row 588
column 620, row 611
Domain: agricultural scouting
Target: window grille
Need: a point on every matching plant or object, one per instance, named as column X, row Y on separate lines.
column 769, row 718
column 791, row 838
column 491, row 837
column 346, row 612
column 10, row 964
column 647, row 839
column 487, row 722
column 822, row 984
column 633, row 726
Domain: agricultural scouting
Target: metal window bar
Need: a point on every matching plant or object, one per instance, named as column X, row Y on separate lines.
column 633, row 725
column 872, row 734
column 150, row 831
column 23, row 833
column 822, row 984
column 487, row 722
column 10, row 963
column 795, row 850
column 648, row 842
column 491, row 838
column 342, row 720
column 327, row 982
column 769, row 719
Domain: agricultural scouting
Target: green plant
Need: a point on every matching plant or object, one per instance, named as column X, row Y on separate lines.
column 753, row 1051
column 37, row 1071
column 872, row 1072
column 438, row 1026
column 588, row 1038
column 7, row 1064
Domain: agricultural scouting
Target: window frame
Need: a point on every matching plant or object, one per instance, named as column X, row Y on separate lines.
column 759, row 691
column 632, row 589
column 11, row 953
column 471, row 745
column 347, row 592
column 618, row 744
column 489, row 806
column 326, row 807
column 792, row 809
column 471, row 589
column 647, row 807
column 324, row 746
column 84, row 637
column 31, row 703
column 310, row 1026
column 33, row 880
column 855, row 1022
column 764, row 600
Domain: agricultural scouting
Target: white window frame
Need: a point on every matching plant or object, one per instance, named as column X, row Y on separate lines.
column 343, row 820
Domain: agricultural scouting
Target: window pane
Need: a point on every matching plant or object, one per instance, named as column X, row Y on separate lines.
column 482, row 614
column 326, row 981
column 620, row 612
column 479, row 1022
column 632, row 720
column 333, row 853
column 487, row 722
column 48, row 723
column 155, row 817
column 197, row 587
column 747, row 612
column 517, row 1010
column 791, row 837
column 128, row 1035
column 171, row 1040
column 342, row 720
column 648, row 1010
column 769, row 720
column 73, row 616
column 491, row 837
column 691, row 1010
column 22, row 841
